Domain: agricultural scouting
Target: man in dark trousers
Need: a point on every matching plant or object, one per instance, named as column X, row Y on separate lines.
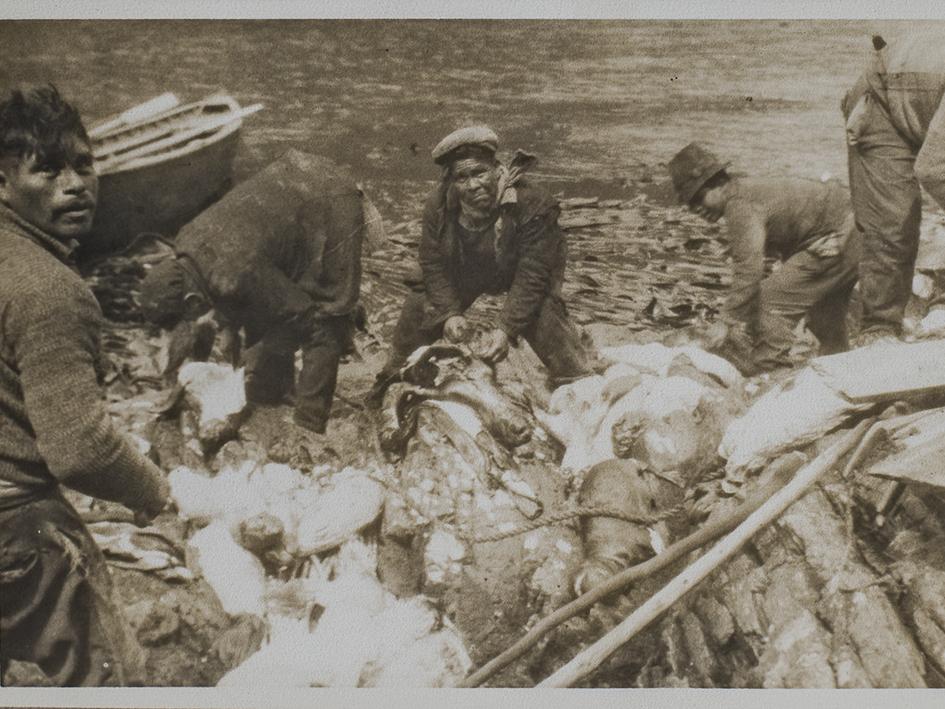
column 487, row 229
column 55, row 430
column 807, row 225
column 279, row 256
column 896, row 141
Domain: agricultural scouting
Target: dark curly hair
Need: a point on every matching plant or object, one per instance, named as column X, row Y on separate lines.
column 38, row 122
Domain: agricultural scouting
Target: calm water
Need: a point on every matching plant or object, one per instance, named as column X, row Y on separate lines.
column 604, row 104
column 594, row 98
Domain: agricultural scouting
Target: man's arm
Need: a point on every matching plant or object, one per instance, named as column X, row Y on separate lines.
column 261, row 293
column 433, row 258
column 55, row 337
column 746, row 239
column 540, row 253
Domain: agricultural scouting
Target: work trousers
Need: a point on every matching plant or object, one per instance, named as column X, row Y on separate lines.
column 887, row 204
column 56, row 607
column 270, row 367
column 806, row 284
column 552, row 336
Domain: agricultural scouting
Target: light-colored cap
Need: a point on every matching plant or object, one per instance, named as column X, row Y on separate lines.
column 473, row 136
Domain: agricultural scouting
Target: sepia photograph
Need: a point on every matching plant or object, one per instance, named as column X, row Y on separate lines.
column 508, row 351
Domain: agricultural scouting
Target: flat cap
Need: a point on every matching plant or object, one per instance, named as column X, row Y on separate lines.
column 474, row 136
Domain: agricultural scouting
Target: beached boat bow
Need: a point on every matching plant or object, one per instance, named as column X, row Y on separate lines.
column 158, row 170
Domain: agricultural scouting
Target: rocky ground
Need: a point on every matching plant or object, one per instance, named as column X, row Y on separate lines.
column 822, row 598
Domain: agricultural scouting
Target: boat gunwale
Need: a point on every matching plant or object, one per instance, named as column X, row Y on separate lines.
column 173, row 113
column 175, row 152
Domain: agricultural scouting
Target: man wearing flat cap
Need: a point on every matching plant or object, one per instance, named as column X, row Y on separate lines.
column 280, row 257
column 805, row 224
column 487, row 229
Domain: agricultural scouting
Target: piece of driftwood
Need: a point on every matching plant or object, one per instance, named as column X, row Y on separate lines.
column 592, row 657
column 885, row 370
column 780, row 471
column 921, row 454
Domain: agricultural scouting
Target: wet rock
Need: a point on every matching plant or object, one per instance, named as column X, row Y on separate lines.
column 701, row 656
column 216, row 394
column 805, row 409
column 238, row 642
column 152, row 621
column 351, row 503
column 261, row 533
column 799, row 656
column 361, row 635
column 236, row 576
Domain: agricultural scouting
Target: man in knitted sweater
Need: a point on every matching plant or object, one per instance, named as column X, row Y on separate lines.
column 54, row 428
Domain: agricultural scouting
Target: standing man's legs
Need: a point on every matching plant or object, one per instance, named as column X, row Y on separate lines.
column 888, row 208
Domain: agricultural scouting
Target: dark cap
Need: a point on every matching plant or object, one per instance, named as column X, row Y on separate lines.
column 691, row 168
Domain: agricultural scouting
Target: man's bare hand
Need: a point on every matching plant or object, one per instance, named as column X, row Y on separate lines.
column 456, row 329
column 230, row 345
column 153, row 507
column 494, row 346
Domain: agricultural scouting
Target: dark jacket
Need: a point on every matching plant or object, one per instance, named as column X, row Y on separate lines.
column 54, row 426
column 283, row 246
column 529, row 261
column 777, row 217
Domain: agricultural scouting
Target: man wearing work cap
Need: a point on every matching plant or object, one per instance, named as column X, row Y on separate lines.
column 806, row 225
column 486, row 229
column 279, row 256
column 896, row 141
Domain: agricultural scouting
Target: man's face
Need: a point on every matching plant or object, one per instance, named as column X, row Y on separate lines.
column 709, row 203
column 477, row 182
column 58, row 196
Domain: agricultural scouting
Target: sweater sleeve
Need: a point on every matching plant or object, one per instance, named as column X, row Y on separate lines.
column 434, row 262
column 540, row 248
column 746, row 238
column 930, row 162
column 55, row 338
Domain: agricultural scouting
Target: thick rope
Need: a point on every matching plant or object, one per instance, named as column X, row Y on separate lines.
column 574, row 513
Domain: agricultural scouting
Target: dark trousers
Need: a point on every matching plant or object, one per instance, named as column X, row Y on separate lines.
column 552, row 336
column 808, row 285
column 887, row 204
column 270, row 367
column 56, row 609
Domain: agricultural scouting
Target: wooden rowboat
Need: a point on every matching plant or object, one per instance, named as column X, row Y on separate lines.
column 157, row 171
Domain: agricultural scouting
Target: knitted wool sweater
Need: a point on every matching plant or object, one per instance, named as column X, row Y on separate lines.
column 54, row 427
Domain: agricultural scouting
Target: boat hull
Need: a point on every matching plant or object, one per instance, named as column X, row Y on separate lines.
column 162, row 196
